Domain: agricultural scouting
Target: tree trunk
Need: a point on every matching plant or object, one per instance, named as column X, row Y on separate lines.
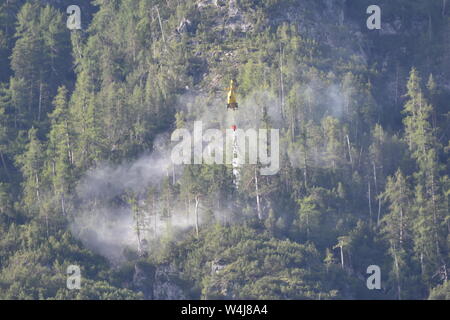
column 421, row 264
column 40, row 101
column 305, row 164
column 63, row 207
column 401, row 226
column 138, row 234
column 435, row 222
column 173, row 175
column 370, row 202
column 397, row 273
column 154, row 222
column 258, row 204
column 4, row 164
column 186, row 207
column 189, row 207
column 37, row 188
column 38, row 197
column 197, row 202
column 281, row 82
column 376, row 192
column 69, row 144
column 307, row 226
column 379, row 211
column 160, row 25
column 349, row 151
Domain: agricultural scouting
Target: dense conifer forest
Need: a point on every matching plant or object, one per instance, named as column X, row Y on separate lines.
column 86, row 118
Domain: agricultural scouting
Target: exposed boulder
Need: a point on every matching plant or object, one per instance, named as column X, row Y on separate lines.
column 164, row 287
column 143, row 279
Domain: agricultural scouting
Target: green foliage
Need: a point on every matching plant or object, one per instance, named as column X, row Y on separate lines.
column 364, row 175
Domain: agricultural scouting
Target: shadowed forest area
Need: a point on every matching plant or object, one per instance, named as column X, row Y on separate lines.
column 86, row 178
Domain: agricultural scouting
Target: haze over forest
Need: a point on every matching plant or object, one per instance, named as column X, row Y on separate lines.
column 87, row 179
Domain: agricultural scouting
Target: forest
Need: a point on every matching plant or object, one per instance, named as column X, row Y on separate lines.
column 86, row 177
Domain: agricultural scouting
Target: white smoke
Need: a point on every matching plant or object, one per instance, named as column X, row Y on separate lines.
column 104, row 221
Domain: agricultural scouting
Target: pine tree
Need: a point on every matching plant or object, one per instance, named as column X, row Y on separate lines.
column 86, row 123
column 60, row 149
column 423, row 145
column 5, row 139
column 31, row 164
column 139, row 219
column 398, row 228
column 309, row 217
column 38, row 59
column 333, row 138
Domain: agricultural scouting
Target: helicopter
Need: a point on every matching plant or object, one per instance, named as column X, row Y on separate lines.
column 231, row 101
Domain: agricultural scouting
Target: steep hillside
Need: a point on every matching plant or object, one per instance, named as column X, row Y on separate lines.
column 86, row 171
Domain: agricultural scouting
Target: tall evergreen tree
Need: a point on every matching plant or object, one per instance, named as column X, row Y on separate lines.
column 31, row 164
column 60, row 149
column 423, row 145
